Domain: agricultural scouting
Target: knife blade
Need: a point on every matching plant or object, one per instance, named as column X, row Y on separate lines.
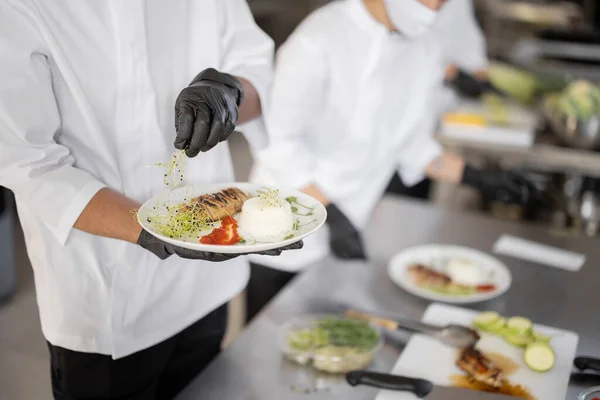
column 420, row 387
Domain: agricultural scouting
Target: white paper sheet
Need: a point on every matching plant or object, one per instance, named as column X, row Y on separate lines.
column 540, row 253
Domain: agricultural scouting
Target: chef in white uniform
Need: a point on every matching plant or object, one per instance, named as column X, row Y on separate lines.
column 352, row 85
column 463, row 47
column 87, row 96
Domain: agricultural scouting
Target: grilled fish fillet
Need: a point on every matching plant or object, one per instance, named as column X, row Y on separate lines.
column 217, row 206
column 474, row 363
column 422, row 275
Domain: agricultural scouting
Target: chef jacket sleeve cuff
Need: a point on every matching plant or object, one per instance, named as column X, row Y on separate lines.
column 75, row 208
column 414, row 172
column 59, row 197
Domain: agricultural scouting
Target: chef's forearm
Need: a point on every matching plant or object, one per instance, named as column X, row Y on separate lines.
column 315, row 192
column 109, row 214
column 251, row 107
column 447, row 167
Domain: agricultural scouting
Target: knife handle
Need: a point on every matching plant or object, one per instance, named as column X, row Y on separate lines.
column 420, row 387
column 583, row 363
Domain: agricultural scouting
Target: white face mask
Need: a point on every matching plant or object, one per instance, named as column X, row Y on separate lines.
column 410, row 17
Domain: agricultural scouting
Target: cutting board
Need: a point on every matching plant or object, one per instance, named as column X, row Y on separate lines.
column 427, row 358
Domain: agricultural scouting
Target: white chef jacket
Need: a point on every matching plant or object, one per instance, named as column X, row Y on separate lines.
column 460, row 36
column 347, row 96
column 87, row 90
column 463, row 44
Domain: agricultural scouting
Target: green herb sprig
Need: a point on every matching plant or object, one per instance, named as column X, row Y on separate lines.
column 296, row 207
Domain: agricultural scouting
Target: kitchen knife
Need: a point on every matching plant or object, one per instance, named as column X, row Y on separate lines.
column 584, row 363
column 420, row 387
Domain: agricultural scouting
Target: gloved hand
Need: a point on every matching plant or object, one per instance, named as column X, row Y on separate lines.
column 503, row 186
column 165, row 250
column 206, row 112
column 469, row 86
column 344, row 239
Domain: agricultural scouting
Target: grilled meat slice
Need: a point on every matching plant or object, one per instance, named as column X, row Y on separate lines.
column 424, row 276
column 217, row 206
column 474, row 363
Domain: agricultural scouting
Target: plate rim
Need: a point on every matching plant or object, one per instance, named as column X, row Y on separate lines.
column 449, row 299
column 232, row 249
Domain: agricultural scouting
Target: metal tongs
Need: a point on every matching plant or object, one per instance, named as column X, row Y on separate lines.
column 452, row 335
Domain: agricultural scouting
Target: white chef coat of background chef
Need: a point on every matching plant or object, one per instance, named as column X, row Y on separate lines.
column 347, row 95
column 463, row 44
column 88, row 91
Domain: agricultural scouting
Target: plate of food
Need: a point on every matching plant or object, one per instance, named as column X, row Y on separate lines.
column 450, row 274
column 231, row 218
column 514, row 356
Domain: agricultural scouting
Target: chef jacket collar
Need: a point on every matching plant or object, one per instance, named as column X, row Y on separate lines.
column 361, row 15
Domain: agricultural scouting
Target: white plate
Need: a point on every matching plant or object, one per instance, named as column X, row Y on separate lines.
column 308, row 224
column 436, row 256
column 427, row 358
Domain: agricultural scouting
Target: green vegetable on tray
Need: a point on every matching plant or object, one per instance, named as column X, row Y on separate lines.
column 519, row 332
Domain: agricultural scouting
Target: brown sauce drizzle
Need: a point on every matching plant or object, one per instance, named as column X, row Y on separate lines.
column 466, row 382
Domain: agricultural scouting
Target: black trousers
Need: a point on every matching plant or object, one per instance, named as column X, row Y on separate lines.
column 157, row 373
column 266, row 282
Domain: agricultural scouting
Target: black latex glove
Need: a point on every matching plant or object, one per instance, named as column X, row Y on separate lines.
column 344, row 239
column 165, row 250
column 503, row 186
column 469, row 86
column 206, row 112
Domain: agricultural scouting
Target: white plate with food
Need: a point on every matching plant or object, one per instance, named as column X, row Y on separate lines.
column 231, row 218
column 514, row 356
column 450, row 274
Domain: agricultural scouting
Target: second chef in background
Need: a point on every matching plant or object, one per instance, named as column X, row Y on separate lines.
column 352, row 87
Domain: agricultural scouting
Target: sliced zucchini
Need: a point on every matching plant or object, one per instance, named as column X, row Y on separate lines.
column 519, row 340
column 519, row 325
column 504, row 332
column 497, row 326
column 540, row 357
column 486, row 319
column 539, row 337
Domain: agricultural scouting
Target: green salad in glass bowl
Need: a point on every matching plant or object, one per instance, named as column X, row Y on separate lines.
column 330, row 343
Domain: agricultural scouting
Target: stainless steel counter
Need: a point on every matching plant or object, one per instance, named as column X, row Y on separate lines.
column 253, row 369
column 540, row 157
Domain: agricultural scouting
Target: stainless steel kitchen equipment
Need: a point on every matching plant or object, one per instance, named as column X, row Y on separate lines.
column 8, row 277
column 508, row 21
column 575, row 132
column 590, row 207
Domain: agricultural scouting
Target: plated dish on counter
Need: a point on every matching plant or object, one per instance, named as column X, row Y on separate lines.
column 234, row 218
column 513, row 356
column 450, row 274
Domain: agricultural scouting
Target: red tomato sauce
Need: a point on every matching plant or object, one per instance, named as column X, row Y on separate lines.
column 225, row 235
column 486, row 288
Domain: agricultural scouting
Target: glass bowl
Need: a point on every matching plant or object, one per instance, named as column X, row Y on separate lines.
column 590, row 394
column 330, row 343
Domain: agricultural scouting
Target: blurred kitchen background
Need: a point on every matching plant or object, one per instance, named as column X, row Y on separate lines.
column 545, row 53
